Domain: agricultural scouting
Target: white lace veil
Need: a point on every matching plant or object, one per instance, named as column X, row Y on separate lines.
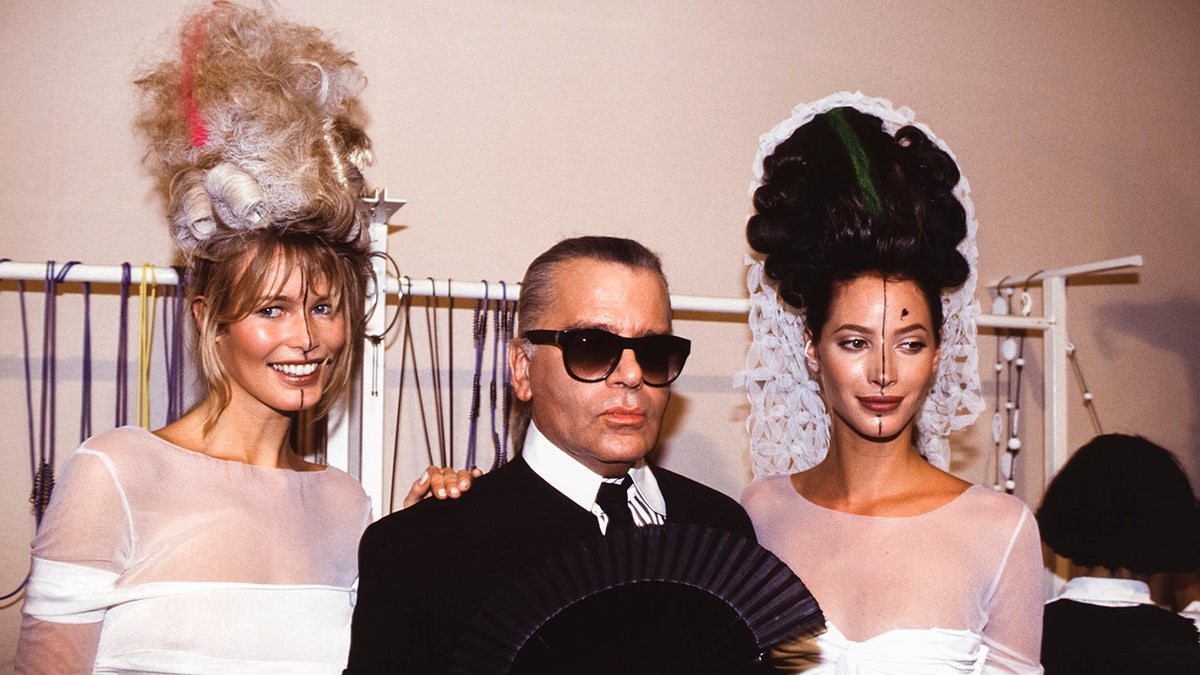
column 788, row 423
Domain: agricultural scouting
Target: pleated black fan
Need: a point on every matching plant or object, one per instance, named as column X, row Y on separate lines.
column 663, row 600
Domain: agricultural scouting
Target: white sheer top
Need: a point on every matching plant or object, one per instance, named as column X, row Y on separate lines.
column 153, row 558
column 954, row 590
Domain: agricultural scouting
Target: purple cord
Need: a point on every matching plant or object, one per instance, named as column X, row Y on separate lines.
column 509, row 312
column 497, row 459
column 168, row 317
column 28, row 384
column 173, row 348
column 501, row 399
column 43, row 483
column 450, row 366
column 121, row 415
column 29, row 415
column 48, row 314
column 85, row 407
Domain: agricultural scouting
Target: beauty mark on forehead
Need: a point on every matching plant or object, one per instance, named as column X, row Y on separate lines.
column 903, row 312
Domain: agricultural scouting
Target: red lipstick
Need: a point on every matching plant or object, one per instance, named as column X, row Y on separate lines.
column 881, row 405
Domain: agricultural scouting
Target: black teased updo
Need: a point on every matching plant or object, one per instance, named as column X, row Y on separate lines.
column 818, row 224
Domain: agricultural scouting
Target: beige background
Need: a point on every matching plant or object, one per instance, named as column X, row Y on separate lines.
column 509, row 125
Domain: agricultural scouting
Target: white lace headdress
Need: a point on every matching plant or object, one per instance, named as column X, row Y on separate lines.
column 788, row 423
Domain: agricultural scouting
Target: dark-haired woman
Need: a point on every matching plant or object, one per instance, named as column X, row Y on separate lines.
column 1121, row 510
column 867, row 232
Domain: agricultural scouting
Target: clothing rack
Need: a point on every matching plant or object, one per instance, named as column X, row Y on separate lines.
column 360, row 422
column 1053, row 326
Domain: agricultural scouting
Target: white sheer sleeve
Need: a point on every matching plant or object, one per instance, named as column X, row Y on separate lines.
column 82, row 545
column 1013, row 633
column 48, row 648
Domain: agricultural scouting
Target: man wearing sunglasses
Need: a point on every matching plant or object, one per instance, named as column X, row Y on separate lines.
column 591, row 366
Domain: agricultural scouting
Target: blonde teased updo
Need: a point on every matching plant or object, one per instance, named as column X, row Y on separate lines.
column 256, row 142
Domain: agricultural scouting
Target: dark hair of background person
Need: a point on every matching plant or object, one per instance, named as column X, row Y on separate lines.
column 1122, row 502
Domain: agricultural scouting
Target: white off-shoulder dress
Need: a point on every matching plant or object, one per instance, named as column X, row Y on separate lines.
column 954, row 590
column 153, row 558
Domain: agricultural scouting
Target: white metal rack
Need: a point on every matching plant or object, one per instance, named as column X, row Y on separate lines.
column 1053, row 325
column 360, row 423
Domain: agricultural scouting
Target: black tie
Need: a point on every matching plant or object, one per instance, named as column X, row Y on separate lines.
column 613, row 499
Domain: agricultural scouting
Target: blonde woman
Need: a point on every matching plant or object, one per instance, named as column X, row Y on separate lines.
column 210, row 545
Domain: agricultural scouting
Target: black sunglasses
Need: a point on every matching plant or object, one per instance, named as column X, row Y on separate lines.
column 591, row 354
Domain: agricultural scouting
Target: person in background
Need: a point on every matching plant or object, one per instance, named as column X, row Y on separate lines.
column 1187, row 596
column 863, row 222
column 1120, row 510
column 593, row 361
column 210, row 545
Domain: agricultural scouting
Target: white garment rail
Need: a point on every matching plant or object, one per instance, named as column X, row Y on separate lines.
column 1053, row 324
column 360, row 423
column 415, row 286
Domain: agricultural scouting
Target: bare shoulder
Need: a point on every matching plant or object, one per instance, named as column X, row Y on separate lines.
column 187, row 432
column 919, row 490
column 942, row 485
column 809, row 482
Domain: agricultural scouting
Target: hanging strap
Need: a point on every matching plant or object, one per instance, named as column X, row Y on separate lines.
column 450, row 366
column 173, row 317
column 85, row 404
column 31, row 425
column 29, row 415
column 510, row 311
column 493, row 394
column 409, row 350
column 41, row 487
column 31, row 421
column 435, row 370
column 405, row 303
column 121, row 410
column 147, row 290
column 500, row 387
column 43, row 471
column 1000, row 306
column 45, row 484
column 479, row 335
column 1089, row 401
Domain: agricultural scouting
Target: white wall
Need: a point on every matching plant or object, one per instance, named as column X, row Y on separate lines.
column 509, row 125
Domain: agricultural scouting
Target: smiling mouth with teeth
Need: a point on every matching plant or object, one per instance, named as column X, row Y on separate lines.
column 296, row 369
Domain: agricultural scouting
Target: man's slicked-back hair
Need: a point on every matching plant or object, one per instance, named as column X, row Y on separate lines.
column 537, row 288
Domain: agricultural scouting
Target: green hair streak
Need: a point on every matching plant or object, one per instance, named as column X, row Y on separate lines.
column 858, row 157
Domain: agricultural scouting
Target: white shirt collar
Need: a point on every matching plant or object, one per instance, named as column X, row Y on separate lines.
column 1192, row 611
column 1107, row 592
column 576, row 481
